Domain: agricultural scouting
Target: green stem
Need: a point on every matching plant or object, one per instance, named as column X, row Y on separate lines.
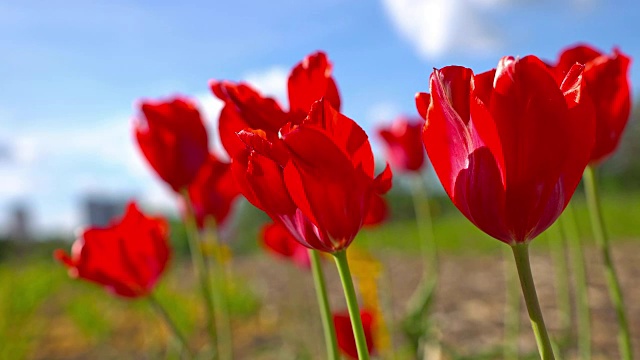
column 512, row 311
column 352, row 304
column 200, row 269
column 578, row 267
column 559, row 249
column 177, row 334
column 325, row 309
column 220, row 292
column 602, row 240
column 425, row 229
column 418, row 306
column 521, row 256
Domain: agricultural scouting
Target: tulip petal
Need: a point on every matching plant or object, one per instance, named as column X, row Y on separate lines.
column 423, row 100
column 278, row 240
column 378, row 211
column 173, row 139
column 582, row 121
column 607, row 81
column 466, row 153
column 309, row 81
column 445, row 136
column 325, row 186
column 344, row 132
column 245, row 108
column 213, row 192
column 261, row 181
column 403, row 140
column 531, row 116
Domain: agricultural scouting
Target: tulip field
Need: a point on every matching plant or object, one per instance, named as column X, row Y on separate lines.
column 488, row 207
column 273, row 307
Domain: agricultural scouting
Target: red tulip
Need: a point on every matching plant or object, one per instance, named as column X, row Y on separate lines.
column 509, row 145
column 344, row 333
column 607, row 78
column 322, row 197
column 245, row 108
column 213, row 191
column 378, row 211
column 279, row 241
column 173, row 139
column 403, row 140
column 127, row 258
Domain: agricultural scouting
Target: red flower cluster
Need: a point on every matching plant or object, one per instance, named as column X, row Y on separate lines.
column 127, row 258
column 509, row 145
column 322, row 197
column 172, row 136
column 245, row 108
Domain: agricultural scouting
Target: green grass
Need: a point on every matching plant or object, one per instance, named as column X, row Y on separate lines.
column 39, row 300
column 24, row 287
column 455, row 234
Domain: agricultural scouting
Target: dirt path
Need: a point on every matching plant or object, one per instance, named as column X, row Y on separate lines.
column 469, row 308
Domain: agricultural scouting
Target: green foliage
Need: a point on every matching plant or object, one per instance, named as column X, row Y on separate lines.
column 24, row 288
column 84, row 304
column 455, row 234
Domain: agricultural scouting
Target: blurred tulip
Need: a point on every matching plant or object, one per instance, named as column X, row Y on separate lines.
column 509, row 145
column 607, row 79
column 344, row 333
column 173, row 139
column 279, row 241
column 321, row 197
column 403, row 140
column 378, row 211
column 127, row 258
column 213, row 191
column 245, row 107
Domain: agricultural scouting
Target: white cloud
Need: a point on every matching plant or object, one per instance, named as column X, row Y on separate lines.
column 382, row 113
column 210, row 107
column 53, row 168
column 438, row 27
column 13, row 184
column 271, row 82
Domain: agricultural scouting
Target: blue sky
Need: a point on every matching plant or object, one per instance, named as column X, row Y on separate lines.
column 72, row 70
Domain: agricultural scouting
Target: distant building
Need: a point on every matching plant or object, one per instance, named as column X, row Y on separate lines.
column 101, row 210
column 19, row 223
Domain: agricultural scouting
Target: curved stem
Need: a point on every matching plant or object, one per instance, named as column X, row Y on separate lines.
column 325, row 309
column 422, row 299
column 558, row 247
column 613, row 283
column 512, row 311
column 200, row 269
column 569, row 228
column 220, row 292
column 425, row 229
column 162, row 312
column 521, row 256
column 352, row 304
